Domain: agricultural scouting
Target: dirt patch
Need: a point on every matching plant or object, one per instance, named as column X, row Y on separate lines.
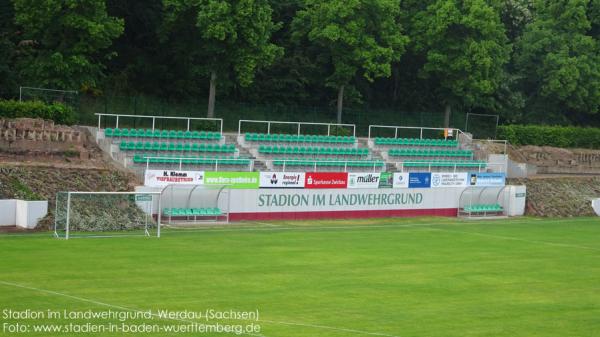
column 560, row 197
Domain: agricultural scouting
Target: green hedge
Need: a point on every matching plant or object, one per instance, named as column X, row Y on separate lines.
column 59, row 113
column 558, row 136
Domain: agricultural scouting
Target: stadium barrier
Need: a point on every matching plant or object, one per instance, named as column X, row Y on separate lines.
column 596, row 206
column 311, row 195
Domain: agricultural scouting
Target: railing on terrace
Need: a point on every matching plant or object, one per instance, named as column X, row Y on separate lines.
column 287, row 165
column 456, row 167
column 298, row 125
column 188, row 120
column 455, row 132
column 180, row 161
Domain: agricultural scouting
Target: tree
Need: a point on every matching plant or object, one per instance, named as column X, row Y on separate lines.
column 7, row 49
column 465, row 48
column 355, row 35
column 70, row 41
column 558, row 58
column 235, row 37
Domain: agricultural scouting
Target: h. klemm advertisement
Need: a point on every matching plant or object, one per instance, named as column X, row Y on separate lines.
column 162, row 178
column 282, row 180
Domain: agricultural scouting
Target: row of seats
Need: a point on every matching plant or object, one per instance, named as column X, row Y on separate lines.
column 266, row 137
column 326, row 151
column 445, row 163
column 195, row 212
column 482, row 208
column 416, row 142
column 186, row 160
column 429, row 153
column 176, row 147
column 328, row 163
column 168, row 134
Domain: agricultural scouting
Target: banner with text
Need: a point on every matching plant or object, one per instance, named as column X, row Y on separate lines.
column 445, row 179
column 419, row 180
column 326, row 180
column 363, row 180
column 487, row 179
column 386, row 180
column 282, row 179
column 248, row 180
column 400, row 180
column 162, row 178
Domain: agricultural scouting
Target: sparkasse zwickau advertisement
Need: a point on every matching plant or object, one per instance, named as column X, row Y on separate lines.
column 326, row 180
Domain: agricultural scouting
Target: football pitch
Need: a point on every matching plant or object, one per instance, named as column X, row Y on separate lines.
column 386, row 277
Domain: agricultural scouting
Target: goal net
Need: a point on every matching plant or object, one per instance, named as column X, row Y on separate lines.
column 107, row 214
column 67, row 97
column 482, row 126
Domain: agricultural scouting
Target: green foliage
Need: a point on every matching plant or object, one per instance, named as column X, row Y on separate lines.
column 20, row 190
column 465, row 47
column 69, row 41
column 234, row 36
column 59, row 113
column 558, row 136
column 558, row 60
column 356, row 35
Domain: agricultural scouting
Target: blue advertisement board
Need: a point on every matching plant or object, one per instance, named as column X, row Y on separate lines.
column 419, row 180
column 487, row 179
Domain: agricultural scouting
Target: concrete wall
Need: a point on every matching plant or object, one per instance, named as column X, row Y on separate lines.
column 20, row 213
column 8, row 210
column 290, row 204
column 596, row 206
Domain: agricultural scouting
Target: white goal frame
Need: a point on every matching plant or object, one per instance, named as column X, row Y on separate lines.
column 67, row 228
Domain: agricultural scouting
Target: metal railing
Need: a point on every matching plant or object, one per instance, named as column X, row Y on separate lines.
column 377, row 166
column 299, row 125
column 421, row 129
column 154, row 118
column 180, row 161
column 457, row 167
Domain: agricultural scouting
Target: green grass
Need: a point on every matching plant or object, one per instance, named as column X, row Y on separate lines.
column 394, row 277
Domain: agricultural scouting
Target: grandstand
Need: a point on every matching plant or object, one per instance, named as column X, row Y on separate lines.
column 306, row 156
column 285, row 146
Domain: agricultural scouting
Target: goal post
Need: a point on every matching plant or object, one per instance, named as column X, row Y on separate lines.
column 95, row 214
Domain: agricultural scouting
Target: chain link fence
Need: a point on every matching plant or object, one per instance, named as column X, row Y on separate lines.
column 231, row 112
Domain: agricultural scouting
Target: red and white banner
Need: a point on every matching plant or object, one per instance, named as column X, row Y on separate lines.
column 326, row 180
column 162, row 178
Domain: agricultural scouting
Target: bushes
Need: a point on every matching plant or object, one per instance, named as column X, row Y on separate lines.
column 558, row 136
column 59, row 113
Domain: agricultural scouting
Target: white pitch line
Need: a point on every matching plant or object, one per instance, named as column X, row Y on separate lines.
column 557, row 244
column 350, row 227
column 332, row 328
column 104, row 304
column 82, row 299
